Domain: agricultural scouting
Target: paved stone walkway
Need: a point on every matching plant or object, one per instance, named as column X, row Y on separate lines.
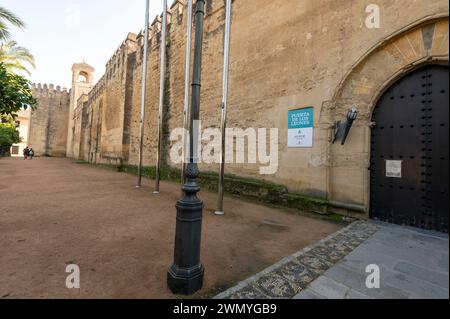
column 413, row 264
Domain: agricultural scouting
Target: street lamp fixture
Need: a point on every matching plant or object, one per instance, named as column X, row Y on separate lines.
column 341, row 130
column 185, row 276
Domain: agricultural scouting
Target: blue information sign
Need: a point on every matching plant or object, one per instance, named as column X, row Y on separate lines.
column 300, row 128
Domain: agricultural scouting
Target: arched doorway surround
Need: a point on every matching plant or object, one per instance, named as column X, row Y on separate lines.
column 424, row 42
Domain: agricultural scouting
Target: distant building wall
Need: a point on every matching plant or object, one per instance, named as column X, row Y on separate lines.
column 23, row 119
column 49, row 122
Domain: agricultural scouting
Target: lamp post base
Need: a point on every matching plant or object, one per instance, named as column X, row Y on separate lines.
column 182, row 281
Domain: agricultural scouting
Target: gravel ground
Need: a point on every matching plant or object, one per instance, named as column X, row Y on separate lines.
column 55, row 212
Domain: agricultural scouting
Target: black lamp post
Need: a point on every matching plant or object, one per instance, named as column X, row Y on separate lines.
column 343, row 129
column 185, row 276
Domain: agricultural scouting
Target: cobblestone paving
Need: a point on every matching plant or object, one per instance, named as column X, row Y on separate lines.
column 290, row 276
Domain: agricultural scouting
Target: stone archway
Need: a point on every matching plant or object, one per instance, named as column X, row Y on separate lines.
column 422, row 43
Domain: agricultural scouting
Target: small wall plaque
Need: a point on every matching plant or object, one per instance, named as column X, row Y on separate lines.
column 394, row 169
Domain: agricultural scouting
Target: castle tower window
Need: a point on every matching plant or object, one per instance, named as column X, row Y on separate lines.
column 83, row 77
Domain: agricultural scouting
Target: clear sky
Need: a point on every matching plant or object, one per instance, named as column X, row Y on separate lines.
column 62, row 32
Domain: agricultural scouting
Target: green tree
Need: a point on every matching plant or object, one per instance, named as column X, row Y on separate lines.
column 15, row 93
column 9, row 135
column 15, row 57
column 8, row 18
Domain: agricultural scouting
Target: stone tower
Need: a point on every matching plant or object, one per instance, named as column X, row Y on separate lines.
column 47, row 127
column 82, row 83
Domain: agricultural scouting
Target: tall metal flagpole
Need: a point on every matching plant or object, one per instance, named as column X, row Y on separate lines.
column 143, row 91
column 161, row 96
column 224, row 106
column 186, row 88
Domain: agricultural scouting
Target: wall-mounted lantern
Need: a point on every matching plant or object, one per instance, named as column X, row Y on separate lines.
column 341, row 130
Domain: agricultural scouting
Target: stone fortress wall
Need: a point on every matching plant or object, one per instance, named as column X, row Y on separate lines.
column 285, row 55
column 49, row 122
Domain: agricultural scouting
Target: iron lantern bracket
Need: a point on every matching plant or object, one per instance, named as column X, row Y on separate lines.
column 341, row 131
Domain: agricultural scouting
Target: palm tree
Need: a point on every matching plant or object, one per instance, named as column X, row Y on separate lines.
column 6, row 17
column 15, row 57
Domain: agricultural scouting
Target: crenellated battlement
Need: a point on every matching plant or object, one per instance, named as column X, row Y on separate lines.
column 175, row 17
column 126, row 45
column 97, row 90
column 134, row 43
column 118, row 60
column 39, row 88
column 49, row 121
column 81, row 100
column 174, row 13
